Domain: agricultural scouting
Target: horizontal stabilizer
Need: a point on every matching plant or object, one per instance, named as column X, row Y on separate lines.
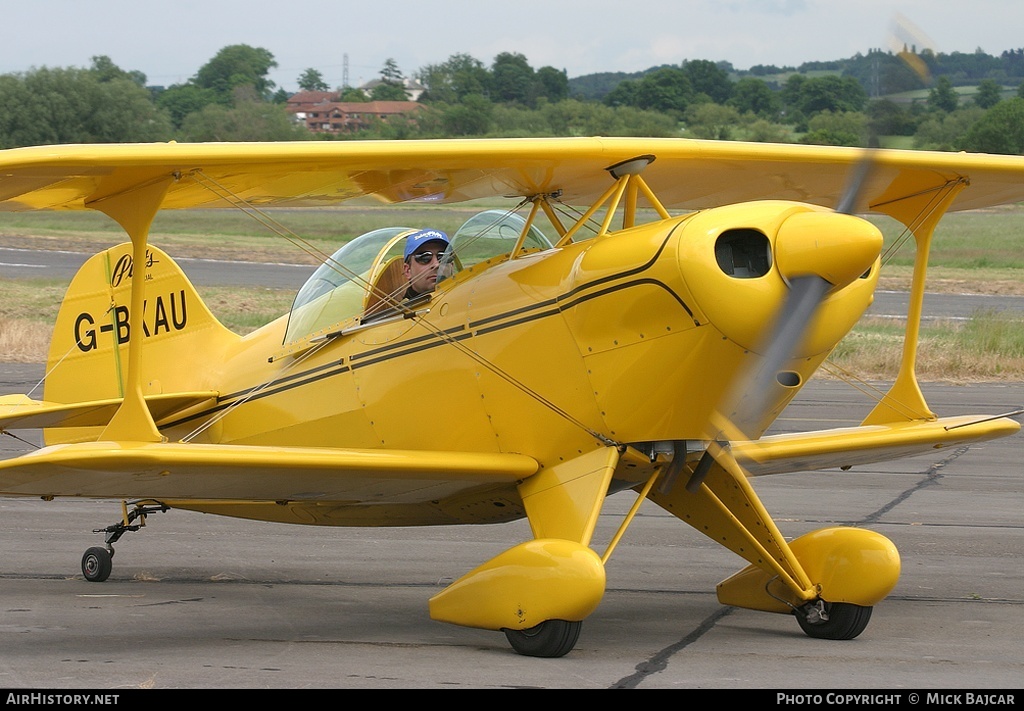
column 851, row 446
column 211, row 472
column 22, row 412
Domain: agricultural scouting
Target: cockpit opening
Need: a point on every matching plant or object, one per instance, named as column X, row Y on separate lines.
column 365, row 279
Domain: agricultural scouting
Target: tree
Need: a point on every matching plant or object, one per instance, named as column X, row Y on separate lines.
column 392, row 84
column 942, row 131
column 667, row 89
column 625, row 93
column 887, row 118
column 711, row 120
column 353, row 94
column 512, row 79
column 237, row 65
column 846, row 128
column 391, row 74
column 387, row 91
column 456, row 78
column 552, row 84
column 1000, row 130
column 791, row 90
column 942, row 96
column 574, row 117
column 754, row 96
column 50, row 106
column 247, row 120
column 763, row 131
column 312, row 80
column 123, row 112
column 830, row 93
column 105, row 70
column 989, row 94
column 473, row 116
column 709, row 79
column 181, row 100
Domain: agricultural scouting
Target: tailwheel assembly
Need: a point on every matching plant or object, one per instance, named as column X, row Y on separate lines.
column 97, row 562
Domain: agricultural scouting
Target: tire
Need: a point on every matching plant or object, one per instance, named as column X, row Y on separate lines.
column 845, row 621
column 552, row 638
column 96, row 564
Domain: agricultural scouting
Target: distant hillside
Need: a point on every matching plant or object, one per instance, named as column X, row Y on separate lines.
column 881, row 73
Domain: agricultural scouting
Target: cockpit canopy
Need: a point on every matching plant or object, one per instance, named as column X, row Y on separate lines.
column 364, row 278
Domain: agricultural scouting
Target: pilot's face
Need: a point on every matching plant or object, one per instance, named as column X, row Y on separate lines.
column 421, row 266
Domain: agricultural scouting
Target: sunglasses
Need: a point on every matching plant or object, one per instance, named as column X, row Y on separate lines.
column 426, row 257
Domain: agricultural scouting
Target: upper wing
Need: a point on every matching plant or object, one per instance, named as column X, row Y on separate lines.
column 209, row 472
column 685, row 174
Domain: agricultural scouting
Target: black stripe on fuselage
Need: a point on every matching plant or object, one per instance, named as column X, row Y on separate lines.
column 433, row 339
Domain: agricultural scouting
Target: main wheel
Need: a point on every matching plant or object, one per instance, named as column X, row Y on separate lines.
column 552, row 638
column 96, row 564
column 845, row 621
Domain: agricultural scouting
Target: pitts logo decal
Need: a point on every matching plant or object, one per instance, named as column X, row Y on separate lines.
column 123, row 268
column 169, row 312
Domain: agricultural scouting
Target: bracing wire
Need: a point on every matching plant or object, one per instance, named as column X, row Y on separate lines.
column 269, row 222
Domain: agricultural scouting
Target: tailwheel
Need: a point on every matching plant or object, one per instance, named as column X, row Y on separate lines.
column 833, row 620
column 96, row 564
column 551, row 638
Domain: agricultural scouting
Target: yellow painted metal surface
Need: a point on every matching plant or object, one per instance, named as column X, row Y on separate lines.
column 319, row 173
column 564, row 501
column 852, row 446
column 847, row 565
column 727, row 510
column 544, row 579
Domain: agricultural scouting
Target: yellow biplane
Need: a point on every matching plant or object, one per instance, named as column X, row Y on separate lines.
column 636, row 322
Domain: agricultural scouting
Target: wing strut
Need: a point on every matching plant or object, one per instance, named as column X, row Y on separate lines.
column 921, row 214
column 627, row 186
column 134, row 209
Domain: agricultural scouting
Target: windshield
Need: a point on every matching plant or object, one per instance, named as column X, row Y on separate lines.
column 337, row 290
column 492, row 233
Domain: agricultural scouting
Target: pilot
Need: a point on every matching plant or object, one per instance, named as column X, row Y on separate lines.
column 423, row 251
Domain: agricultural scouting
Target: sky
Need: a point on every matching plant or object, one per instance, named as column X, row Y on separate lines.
column 170, row 41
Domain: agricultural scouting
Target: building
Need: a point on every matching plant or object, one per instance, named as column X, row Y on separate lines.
column 321, row 112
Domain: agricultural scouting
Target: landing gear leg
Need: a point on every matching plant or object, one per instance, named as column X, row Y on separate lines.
column 97, row 561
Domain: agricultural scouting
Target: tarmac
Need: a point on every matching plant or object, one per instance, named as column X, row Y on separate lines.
column 203, row 602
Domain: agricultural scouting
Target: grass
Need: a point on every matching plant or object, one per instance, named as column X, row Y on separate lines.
column 987, row 347
column 976, row 251
column 269, row 236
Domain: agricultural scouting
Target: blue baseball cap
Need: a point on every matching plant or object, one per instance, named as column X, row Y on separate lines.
column 413, row 241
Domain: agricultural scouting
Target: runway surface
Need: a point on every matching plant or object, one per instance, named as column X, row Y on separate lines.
column 197, row 601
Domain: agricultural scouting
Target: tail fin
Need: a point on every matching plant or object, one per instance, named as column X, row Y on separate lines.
column 89, row 350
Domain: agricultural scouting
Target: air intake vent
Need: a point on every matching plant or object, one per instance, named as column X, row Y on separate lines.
column 743, row 253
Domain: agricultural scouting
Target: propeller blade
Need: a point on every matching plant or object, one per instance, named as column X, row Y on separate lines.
column 854, row 186
column 758, row 390
column 805, row 294
column 805, row 256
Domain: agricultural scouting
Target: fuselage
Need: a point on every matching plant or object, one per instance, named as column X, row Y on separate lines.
column 634, row 336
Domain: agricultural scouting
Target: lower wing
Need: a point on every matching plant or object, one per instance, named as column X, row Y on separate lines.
column 850, row 446
column 211, row 472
